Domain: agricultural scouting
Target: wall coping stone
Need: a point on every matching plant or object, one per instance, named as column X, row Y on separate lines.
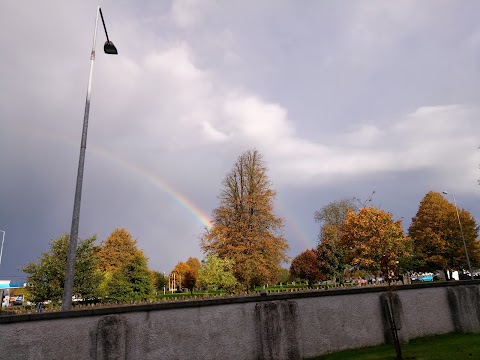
column 101, row 311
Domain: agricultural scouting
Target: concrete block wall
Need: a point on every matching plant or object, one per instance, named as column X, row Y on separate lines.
column 277, row 326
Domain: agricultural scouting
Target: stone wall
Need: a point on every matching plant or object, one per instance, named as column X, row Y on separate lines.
column 275, row 326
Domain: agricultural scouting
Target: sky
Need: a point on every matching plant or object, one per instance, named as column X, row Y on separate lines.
column 340, row 98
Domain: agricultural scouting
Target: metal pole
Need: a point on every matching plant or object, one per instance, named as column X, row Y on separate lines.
column 72, row 248
column 463, row 238
column 1, row 248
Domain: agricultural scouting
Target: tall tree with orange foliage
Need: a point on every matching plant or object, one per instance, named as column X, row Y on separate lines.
column 437, row 238
column 245, row 227
column 374, row 241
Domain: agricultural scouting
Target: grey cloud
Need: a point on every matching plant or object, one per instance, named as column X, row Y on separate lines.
column 341, row 100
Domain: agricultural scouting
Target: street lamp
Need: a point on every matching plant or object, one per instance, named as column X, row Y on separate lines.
column 1, row 248
column 461, row 231
column 109, row 48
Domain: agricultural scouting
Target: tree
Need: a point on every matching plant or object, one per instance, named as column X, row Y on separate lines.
column 330, row 254
column 132, row 282
column 181, row 270
column 472, row 242
column 305, row 266
column 334, row 214
column 160, row 280
column 217, row 273
column 331, row 217
column 245, row 228
column 194, row 264
column 45, row 280
column 126, row 274
column 187, row 273
column 373, row 241
column 283, row 276
column 436, row 235
column 116, row 250
column 190, row 280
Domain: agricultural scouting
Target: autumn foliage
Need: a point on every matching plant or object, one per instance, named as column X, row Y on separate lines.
column 437, row 238
column 245, row 227
column 373, row 240
column 187, row 273
column 124, row 266
column 306, row 266
column 117, row 250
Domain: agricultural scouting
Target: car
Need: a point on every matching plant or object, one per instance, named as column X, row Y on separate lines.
column 428, row 277
column 18, row 300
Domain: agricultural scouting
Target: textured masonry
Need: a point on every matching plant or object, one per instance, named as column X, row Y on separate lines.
column 277, row 326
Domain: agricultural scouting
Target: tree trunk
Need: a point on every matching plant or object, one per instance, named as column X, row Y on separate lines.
column 393, row 325
column 446, row 274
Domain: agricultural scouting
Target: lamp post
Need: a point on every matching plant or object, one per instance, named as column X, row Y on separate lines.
column 1, row 248
column 109, row 48
column 461, row 231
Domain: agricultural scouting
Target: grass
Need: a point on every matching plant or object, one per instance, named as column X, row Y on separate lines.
column 188, row 294
column 452, row 346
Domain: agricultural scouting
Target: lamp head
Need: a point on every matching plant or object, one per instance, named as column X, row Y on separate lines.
column 109, row 48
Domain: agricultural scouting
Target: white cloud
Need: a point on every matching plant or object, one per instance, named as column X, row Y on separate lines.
column 254, row 119
column 188, row 107
column 212, row 134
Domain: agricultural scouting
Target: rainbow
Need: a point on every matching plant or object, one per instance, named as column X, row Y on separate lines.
column 158, row 182
column 185, row 202
column 177, row 196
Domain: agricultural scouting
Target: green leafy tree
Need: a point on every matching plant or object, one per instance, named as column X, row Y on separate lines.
column 45, row 280
column 437, row 238
column 126, row 274
column 305, row 266
column 217, row 273
column 133, row 281
column 245, row 228
column 283, row 276
column 331, row 255
column 160, row 280
column 334, row 215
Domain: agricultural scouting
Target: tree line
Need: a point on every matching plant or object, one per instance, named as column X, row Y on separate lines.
column 245, row 246
column 366, row 239
column 116, row 270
